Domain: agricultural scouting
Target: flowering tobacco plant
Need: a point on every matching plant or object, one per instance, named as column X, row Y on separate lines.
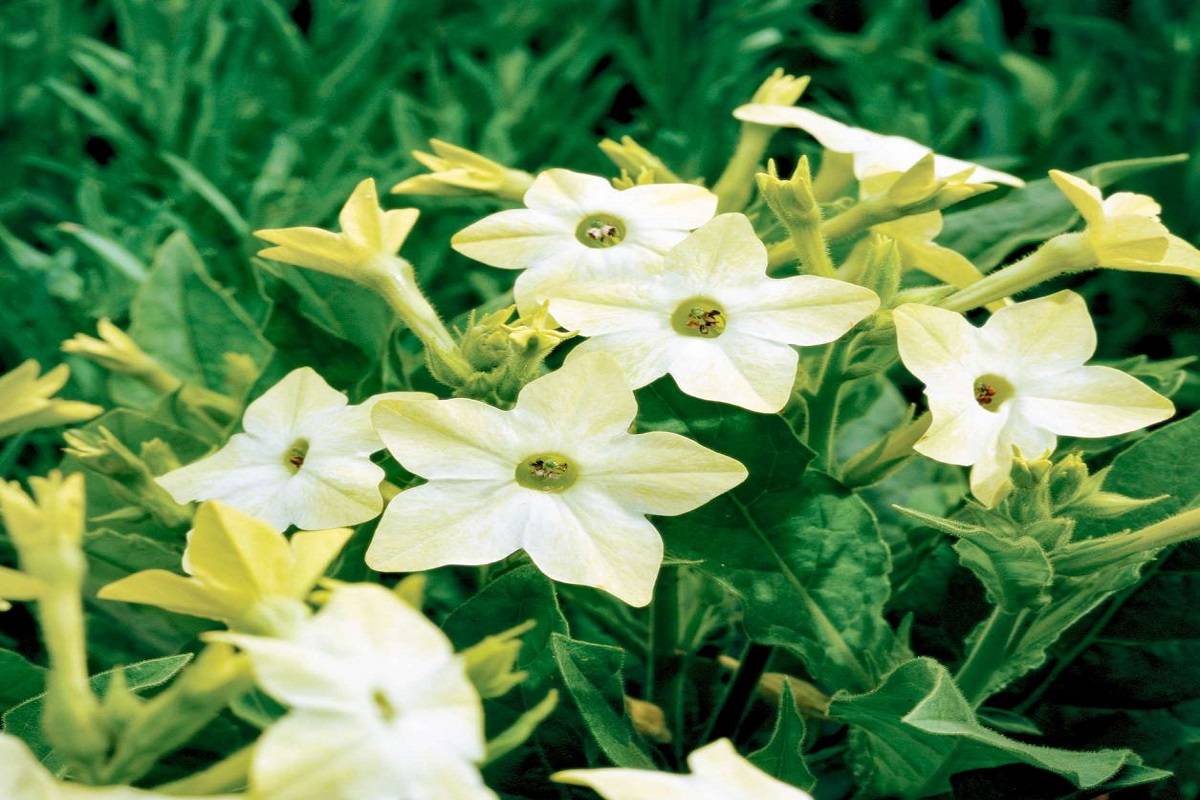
column 656, row 523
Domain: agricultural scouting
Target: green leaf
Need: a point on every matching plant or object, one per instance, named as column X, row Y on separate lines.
column 594, row 680
column 917, row 730
column 19, row 679
column 1015, row 573
column 989, row 233
column 783, row 756
column 801, row 552
column 1131, row 675
column 25, row 720
column 189, row 322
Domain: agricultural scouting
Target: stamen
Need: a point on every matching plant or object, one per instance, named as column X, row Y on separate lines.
column 546, row 472
column 700, row 316
column 294, row 457
column 991, row 391
column 600, row 230
column 384, row 705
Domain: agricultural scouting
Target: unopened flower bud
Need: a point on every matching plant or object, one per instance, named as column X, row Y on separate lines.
column 27, row 401
column 636, row 161
column 490, row 663
column 648, row 720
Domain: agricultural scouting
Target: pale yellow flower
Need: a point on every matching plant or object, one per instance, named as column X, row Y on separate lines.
column 27, row 402
column 240, row 571
column 1019, row 381
column 717, row 773
column 559, row 477
column 1125, row 232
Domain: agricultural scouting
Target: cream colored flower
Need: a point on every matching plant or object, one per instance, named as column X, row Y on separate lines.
column 381, row 708
column 304, row 459
column 458, row 172
column 578, row 226
column 27, row 402
column 873, row 153
column 1018, row 381
column 711, row 318
column 22, row 777
column 717, row 773
column 559, row 477
column 1124, row 230
column 240, row 571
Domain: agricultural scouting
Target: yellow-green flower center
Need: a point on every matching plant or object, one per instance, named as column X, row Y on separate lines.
column 293, row 459
column 699, row 316
column 600, row 230
column 547, row 472
column 992, row 391
column 383, row 704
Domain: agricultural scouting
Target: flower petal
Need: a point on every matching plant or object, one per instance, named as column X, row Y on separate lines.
column 157, row 587
column 333, row 756
column 936, row 345
column 961, row 431
column 1093, row 401
column 361, row 217
column 457, row 438
column 280, row 410
column 517, row 238
column 572, row 194
column 583, row 536
column 661, row 473
column 719, row 765
column 644, row 357
column 676, row 206
column 329, row 492
column 312, row 553
column 1041, row 336
column 1084, row 196
column 990, row 474
column 802, row 309
column 735, row 368
column 724, row 252
column 449, row 522
column 313, row 248
column 587, row 397
column 237, row 554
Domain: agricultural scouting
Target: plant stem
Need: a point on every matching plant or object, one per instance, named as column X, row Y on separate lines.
column 736, row 183
column 172, row 717
column 740, row 692
column 1092, row 554
column 227, row 775
column 664, row 676
column 987, row 655
column 1067, row 252
column 822, row 409
column 853, row 220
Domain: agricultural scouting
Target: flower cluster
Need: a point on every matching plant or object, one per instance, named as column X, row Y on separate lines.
column 543, row 456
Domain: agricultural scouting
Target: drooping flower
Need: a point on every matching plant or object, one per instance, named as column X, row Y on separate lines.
column 577, row 226
column 873, row 153
column 559, row 477
column 380, row 706
column 240, row 571
column 458, row 172
column 1018, row 381
column 712, row 319
column 23, row 777
column 304, row 459
column 1125, row 232
column 717, row 773
column 365, row 252
column 27, row 402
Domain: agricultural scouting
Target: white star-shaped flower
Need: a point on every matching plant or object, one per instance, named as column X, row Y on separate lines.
column 711, row 318
column 873, row 153
column 1125, row 232
column 304, row 459
column 1018, row 381
column 23, row 777
column 577, row 226
column 559, row 477
column 381, row 708
column 717, row 773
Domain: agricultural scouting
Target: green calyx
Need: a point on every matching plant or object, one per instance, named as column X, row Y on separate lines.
column 546, row 472
column 699, row 316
